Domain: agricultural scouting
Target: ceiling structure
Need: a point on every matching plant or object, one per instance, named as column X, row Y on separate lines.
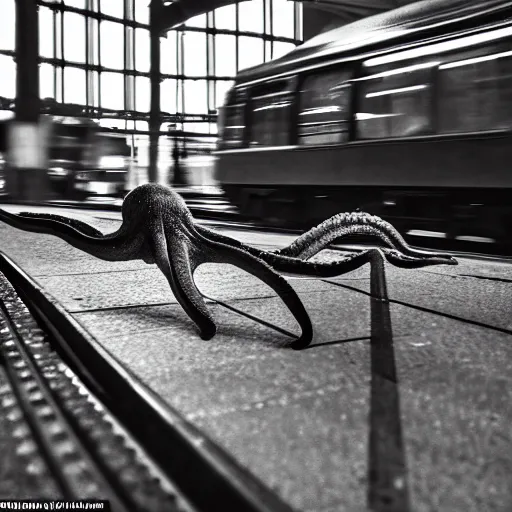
column 172, row 14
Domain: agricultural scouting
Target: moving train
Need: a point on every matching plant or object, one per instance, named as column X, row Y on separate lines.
column 83, row 160
column 406, row 114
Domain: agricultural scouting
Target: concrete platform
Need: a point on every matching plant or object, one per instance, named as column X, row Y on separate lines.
column 417, row 421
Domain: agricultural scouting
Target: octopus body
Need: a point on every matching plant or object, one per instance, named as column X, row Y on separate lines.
column 158, row 227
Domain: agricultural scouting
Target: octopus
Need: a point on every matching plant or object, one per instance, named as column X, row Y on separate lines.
column 158, row 228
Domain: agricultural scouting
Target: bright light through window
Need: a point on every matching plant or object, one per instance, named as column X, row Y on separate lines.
column 46, row 81
column 142, row 94
column 225, row 17
column 74, row 37
column 250, row 13
column 282, row 19
column 112, row 47
column 7, row 24
column 251, row 52
column 45, row 32
column 8, row 80
column 116, row 7
column 225, row 55
column 80, row 4
column 197, row 21
column 195, row 54
column 112, row 91
column 74, row 92
column 142, row 49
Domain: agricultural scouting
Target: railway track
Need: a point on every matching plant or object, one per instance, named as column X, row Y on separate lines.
column 82, row 427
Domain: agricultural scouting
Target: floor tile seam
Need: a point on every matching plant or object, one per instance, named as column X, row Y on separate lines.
column 469, row 276
column 159, row 304
column 141, row 331
column 131, row 333
column 169, row 303
column 428, row 310
column 123, row 307
column 254, row 318
column 72, row 274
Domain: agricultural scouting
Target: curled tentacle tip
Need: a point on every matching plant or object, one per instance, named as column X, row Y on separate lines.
column 208, row 333
column 447, row 260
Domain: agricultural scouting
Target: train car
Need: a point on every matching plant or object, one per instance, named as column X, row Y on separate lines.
column 85, row 161
column 406, row 114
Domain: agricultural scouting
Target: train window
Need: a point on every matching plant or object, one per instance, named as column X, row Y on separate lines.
column 270, row 115
column 475, row 93
column 232, row 120
column 324, row 109
column 395, row 103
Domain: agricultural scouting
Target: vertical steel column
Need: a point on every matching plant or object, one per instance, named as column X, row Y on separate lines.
column 27, row 55
column 27, row 178
column 154, row 72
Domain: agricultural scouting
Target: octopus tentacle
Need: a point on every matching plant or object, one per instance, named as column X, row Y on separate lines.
column 83, row 227
column 221, row 253
column 355, row 223
column 403, row 261
column 317, row 239
column 232, row 242
column 122, row 245
column 349, row 262
column 173, row 259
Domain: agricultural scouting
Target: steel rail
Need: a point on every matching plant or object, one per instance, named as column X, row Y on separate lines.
column 203, row 475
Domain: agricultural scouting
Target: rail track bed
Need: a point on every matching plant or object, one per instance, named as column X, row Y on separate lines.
column 80, row 426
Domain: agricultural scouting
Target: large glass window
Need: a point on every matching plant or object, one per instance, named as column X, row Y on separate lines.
column 103, row 61
column 200, row 60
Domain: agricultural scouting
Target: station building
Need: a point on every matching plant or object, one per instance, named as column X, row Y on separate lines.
column 96, row 61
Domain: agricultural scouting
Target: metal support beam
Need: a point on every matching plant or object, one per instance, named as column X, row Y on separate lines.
column 154, row 71
column 26, row 177
column 27, row 55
